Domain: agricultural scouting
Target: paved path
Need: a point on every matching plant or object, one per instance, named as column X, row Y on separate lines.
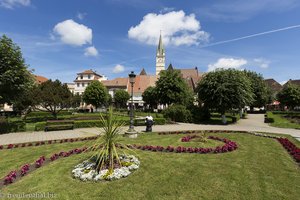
column 254, row 122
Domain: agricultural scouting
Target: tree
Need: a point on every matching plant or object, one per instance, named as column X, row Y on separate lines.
column 95, row 94
column 289, row 96
column 53, row 96
column 260, row 89
column 171, row 88
column 224, row 90
column 14, row 75
column 150, row 97
column 121, row 97
column 76, row 100
column 26, row 100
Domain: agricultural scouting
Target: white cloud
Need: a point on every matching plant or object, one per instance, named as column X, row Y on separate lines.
column 118, row 69
column 81, row 16
column 227, row 63
column 262, row 63
column 177, row 29
column 10, row 4
column 91, row 51
column 72, row 33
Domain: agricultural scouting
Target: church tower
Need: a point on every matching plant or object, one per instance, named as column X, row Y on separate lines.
column 160, row 57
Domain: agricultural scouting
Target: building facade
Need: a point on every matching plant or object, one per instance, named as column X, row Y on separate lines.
column 84, row 78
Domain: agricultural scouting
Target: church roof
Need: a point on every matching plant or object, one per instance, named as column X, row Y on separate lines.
column 143, row 72
column 170, row 67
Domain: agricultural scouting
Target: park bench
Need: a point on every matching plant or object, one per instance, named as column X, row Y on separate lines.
column 54, row 125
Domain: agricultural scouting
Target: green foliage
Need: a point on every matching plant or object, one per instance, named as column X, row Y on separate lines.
column 14, row 75
column 172, row 89
column 53, row 96
column 40, row 126
column 76, row 100
column 224, row 90
column 289, row 96
column 199, row 114
column 150, row 97
column 96, row 94
column 178, row 113
column 121, row 97
column 7, row 126
column 262, row 94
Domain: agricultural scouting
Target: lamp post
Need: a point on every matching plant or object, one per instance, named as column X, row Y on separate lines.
column 131, row 132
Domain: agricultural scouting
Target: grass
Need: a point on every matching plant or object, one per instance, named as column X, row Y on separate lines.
column 259, row 169
column 281, row 122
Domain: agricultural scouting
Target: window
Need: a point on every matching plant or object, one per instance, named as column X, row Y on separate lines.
column 81, row 76
column 78, row 84
column 82, row 84
column 89, row 76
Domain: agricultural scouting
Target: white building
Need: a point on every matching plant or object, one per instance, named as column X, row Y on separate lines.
column 84, row 79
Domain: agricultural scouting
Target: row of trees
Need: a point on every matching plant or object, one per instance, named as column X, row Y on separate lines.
column 221, row 91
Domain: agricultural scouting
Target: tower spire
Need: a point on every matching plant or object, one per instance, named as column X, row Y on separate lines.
column 160, row 47
column 160, row 56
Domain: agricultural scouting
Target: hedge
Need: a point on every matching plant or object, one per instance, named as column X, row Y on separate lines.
column 40, row 126
column 14, row 126
column 286, row 112
column 269, row 120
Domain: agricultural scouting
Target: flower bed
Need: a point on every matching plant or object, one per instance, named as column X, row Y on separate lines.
column 40, row 143
column 13, row 175
column 227, row 147
column 85, row 171
column 292, row 149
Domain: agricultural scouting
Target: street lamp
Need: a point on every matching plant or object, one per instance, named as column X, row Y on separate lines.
column 131, row 132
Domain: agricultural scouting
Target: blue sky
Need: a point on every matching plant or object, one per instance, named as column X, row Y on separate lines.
column 61, row 38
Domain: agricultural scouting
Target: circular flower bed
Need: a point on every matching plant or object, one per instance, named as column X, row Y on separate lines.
column 86, row 171
column 227, row 147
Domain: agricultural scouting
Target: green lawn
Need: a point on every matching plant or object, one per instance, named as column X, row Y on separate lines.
column 281, row 122
column 259, row 169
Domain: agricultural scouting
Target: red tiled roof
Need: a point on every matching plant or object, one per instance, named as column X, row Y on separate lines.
column 117, row 82
column 142, row 82
column 40, row 79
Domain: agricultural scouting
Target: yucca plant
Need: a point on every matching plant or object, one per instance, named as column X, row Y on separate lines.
column 108, row 142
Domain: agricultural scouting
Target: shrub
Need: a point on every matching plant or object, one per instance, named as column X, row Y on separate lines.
column 40, row 126
column 199, row 114
column 269, row 120
column 11, row 126
column 178, row 113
